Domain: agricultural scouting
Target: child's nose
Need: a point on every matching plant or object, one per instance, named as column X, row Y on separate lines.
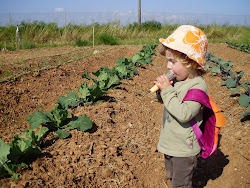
column 169, row 66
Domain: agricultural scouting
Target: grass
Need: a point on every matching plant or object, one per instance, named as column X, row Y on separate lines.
column 40, row 34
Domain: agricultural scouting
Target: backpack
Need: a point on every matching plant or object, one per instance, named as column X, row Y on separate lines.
column 208, row 132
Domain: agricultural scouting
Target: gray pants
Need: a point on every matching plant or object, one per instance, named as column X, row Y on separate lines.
column 180, row 170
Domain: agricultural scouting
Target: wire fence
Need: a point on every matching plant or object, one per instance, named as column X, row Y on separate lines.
column 123, row 18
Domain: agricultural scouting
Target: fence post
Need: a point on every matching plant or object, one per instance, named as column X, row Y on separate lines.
column 93, row 35
column 65, row 27
column 139, row 13
column 9, row 19
column 18, row 37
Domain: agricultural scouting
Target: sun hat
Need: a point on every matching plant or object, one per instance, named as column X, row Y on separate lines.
column 189, row 40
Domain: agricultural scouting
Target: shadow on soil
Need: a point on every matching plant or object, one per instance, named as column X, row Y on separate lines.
column 93, row 129
column 210, row 168
column 246, row 118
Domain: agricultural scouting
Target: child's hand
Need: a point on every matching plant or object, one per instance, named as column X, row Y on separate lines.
column 162, row 81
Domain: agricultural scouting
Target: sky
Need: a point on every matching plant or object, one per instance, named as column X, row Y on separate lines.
column 232, row 12
column 221, row 7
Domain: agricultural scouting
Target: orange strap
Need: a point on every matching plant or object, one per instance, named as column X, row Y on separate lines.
column 220, row 118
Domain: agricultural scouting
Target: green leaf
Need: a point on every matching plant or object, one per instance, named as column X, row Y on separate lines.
column 135, row 58
column 223, row 83
column 118, row 61
column 32, row 140
column 216, row 59
column 85, row 75
column 16, row 151
column 65, row 102
column 123, row 72
column 134, row 71
column 84, row 91
column 95, row 93
column 38, row 118
column 245, row 85
column 244, row 100
column 112, row 81
column 215, row 69
column 19, row 146
column 226, row 65
column 29, row 135
column 231, row 83
column 148, row 60
column 103, row 73
column 127, row 62
column 41, row 133
column 237, row 90
column 107, row 78
column 62, row 134
column 208, row 63
column 82, row 123
column 247, row 112
column 59, row 115
column 23, row 145
column 4, row 151
column 15, row 176
column 22, row 149
column 122, row 69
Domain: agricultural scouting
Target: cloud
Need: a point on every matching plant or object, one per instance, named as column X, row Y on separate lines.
column 59, row 9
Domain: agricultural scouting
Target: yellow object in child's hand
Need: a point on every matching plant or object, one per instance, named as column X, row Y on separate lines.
column 155, row 88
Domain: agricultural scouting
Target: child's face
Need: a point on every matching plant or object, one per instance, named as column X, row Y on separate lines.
column 181, row 73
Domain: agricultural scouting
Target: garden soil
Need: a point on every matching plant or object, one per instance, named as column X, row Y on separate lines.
column 121, row 148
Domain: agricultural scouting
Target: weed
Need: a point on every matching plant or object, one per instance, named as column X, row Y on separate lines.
column 6, row 74
column 152, row 25
column 22, row 72
column 32, row 71
column 120, row 144
column 26, row 44
column 80, row 42
column 107, row 39
column 58, row 62
column 10, row 48
column 39, row 67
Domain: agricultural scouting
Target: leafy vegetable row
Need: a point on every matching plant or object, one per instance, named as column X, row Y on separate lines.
column 231, row 80
column 108, row 78
column 17, row 154
column 57, row 119
column 241, row 47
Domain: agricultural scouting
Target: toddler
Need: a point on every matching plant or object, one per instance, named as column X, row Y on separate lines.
column 185, row 51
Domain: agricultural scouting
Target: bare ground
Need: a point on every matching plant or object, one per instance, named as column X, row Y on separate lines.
column 120, row 150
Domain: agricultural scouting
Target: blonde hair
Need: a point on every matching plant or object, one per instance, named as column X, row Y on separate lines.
column 184, row 59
